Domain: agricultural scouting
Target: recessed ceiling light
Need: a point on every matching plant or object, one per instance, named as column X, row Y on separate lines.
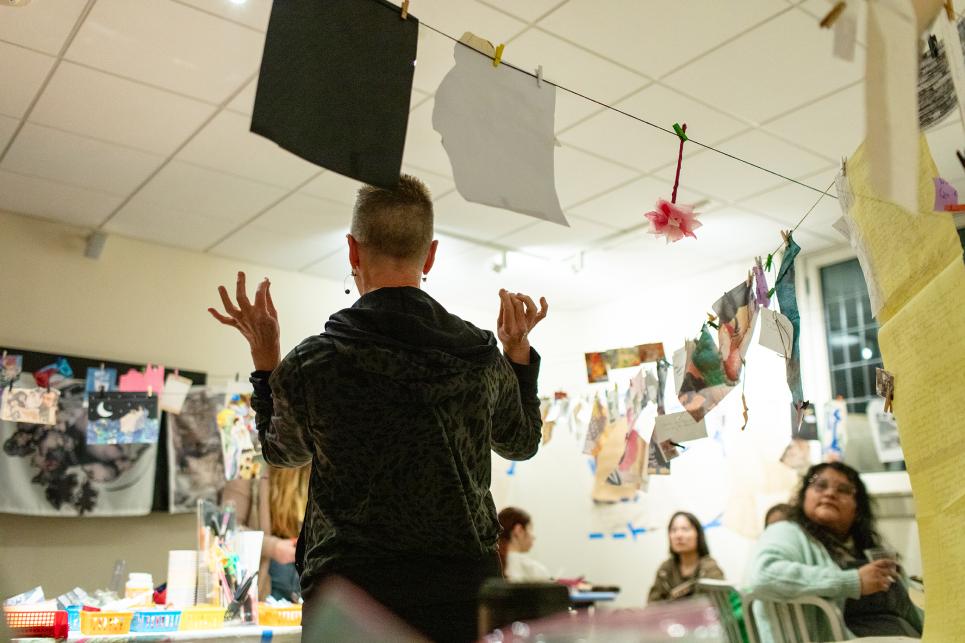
column 238, row 2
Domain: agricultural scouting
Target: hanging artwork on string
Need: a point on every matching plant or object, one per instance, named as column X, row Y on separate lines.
column 52, row 470
column 32, row 405
column 786, row 291
column 122, row 418
column 150, row 379
column 10, row 368
column 195, row 457
column 670, row 219
column 101, row 380
column 239, row 438
column 500, row 157
column 54, row 373
column 705, row 383
column 596, row 428
column 595, row 368
column 736, row 314
column 176, row 388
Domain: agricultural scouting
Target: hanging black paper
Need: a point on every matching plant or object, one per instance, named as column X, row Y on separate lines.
column 335, row 85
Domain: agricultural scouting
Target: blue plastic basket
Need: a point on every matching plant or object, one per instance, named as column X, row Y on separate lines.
column 73, row 617
column 156, row 620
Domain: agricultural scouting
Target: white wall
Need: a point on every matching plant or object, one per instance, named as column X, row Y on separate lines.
column 141, row 302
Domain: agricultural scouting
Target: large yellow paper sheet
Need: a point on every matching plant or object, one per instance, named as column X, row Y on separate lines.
column 923, row 345
column 900, row 251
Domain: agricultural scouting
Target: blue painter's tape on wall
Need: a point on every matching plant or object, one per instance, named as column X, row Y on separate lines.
column 636, row 531
column 265, row 636
column 512, row 469
column 620, row 535
column 716, row 522
column 592, row 464
column 596, row 536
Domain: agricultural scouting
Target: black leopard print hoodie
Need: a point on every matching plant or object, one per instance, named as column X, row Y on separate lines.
column 397, row 406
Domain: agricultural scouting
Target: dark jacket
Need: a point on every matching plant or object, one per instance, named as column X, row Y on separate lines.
column 670, row 584
column 397, row 405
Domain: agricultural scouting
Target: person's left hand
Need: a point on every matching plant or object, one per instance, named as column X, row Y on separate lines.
column 257, row 322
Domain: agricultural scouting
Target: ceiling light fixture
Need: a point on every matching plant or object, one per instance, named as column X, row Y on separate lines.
column 238, row 2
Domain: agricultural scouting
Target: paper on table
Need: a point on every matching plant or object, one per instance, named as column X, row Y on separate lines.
column 678, row 427
column 776, row 332
column 898, row 250
column 497, row 127
column 923, row 347
column 891, row 116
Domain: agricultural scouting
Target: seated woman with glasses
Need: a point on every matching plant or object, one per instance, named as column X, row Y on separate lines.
column 828, row 547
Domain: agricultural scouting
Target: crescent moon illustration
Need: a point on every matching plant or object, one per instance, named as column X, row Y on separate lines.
column 103, row 412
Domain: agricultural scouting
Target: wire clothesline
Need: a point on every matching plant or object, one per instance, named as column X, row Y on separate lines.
column 632, row 116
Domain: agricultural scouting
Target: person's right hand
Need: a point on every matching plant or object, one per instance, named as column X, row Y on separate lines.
column 284, row 552
column 877, row 576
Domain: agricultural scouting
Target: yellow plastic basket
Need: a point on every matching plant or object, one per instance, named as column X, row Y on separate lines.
column 202, row 617
column 105, row 622
column 279, row 616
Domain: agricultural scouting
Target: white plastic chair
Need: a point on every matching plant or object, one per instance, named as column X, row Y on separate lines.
column 718, row 592
column 787, row 621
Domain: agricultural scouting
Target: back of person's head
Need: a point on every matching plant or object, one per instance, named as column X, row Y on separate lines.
column 509, row 518
column 702, row 549
column 863, row 531
column 395, row 224
column 288, row 496
column 777, row 513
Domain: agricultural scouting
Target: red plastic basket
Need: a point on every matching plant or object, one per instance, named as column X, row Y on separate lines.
column 29, row 623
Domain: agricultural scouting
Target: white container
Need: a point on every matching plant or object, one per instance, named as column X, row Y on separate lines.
column 140, row 586
column 182, row 577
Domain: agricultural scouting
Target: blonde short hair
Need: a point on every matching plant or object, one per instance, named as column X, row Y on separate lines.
column 395, row 223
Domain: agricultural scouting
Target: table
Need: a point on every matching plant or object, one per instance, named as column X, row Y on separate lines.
column 236, row 634
column 583, row 600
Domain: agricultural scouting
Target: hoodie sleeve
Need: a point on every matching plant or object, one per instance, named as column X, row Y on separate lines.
column 779, row 569
column 281, row 413
column 517, row 425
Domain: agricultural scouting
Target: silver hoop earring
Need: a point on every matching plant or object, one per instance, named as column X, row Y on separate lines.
column 345, row 282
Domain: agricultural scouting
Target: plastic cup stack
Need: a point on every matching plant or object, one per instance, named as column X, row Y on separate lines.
column 182, row 575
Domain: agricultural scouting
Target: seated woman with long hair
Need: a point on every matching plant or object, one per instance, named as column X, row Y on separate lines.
column 689, row 560
column 820, row 551
column 515, row 540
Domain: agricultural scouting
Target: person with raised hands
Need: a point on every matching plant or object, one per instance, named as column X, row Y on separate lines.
column 397, row 405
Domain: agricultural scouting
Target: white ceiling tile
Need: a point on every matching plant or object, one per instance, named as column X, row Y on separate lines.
column 42, row 198
column 570, row 109
column 23, row 72
column 253, row 13
column 457, row 16
column 7, row 127
column 773, row 69
column 639, row 145
column 552, row 241
column 528, row 11
column 112, row 109
column 625, row 207
column 79, row 161
column 335, row 187
column 453, row 214
column 187, row 188
column 305, row 215
column 572, row 67
column 732, row 234
column 579, row 175
column 655, row 37
column 227, row 145
column 44, row 25
column 789, row 202
column 279, row 250
column 244, row 102
column 434, row 59
column 833, row 126
column 730, row 180
column 169, row 45
column 158, row 224
column 423, row 145
column 642, row 253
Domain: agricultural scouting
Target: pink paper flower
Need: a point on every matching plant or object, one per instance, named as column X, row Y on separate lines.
column 673, row 221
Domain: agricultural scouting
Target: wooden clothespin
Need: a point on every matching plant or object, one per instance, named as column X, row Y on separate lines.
column 786, row 235
column 405, row 9
column 539, row 76
column 150, row 390
column 681, row 132
column 885, row 387
column 828, row 21
column 498, row 58
column 844, row 166
column 712, row 321
column 237, row 375
column 176, row 372
column 961, row 158
column 950, row 10
column 933, row 46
